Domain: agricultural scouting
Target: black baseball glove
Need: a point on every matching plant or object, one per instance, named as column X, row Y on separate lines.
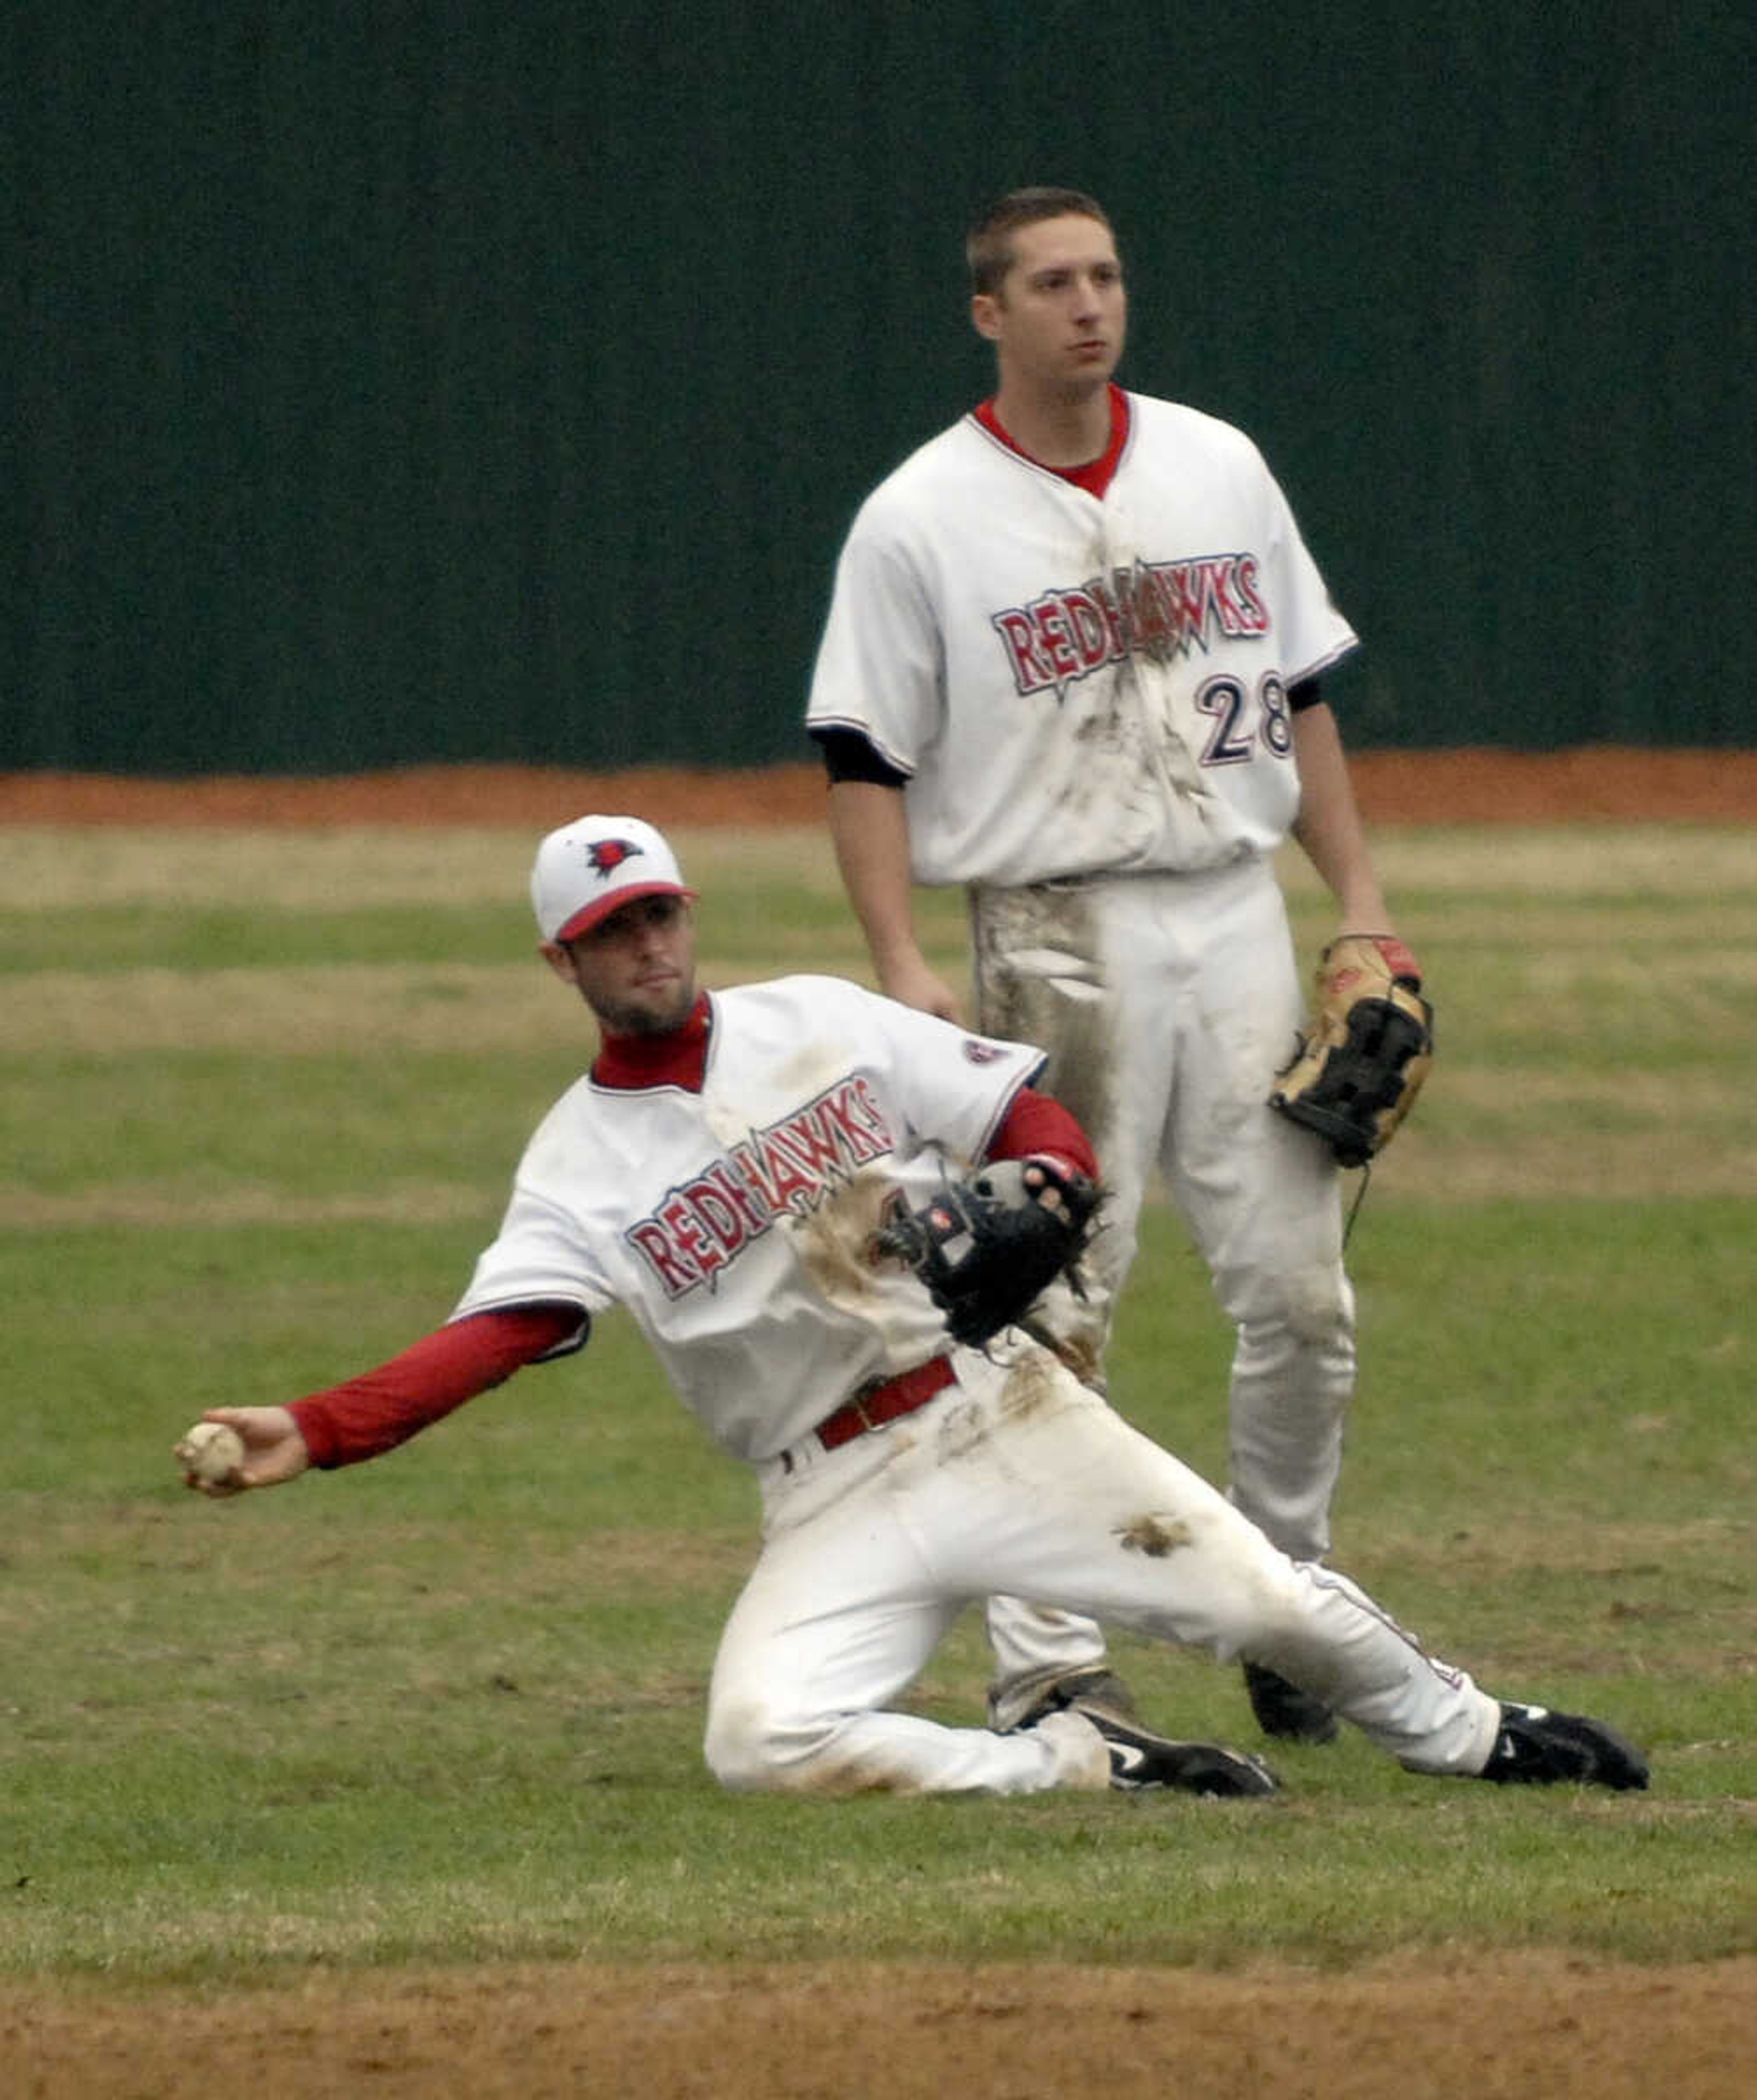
column 988, row 1248
column 1355, row 1077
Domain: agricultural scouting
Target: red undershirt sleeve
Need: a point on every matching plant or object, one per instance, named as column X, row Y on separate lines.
column 383, row 1408
column 1037, row 1123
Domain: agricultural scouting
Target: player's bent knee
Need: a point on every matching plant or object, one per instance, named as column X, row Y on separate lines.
column 736, row 1747
column 1314, row 1306
column 1320, row 1305
column 752, row 1748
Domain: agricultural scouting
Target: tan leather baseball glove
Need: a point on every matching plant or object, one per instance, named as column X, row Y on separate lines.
column 1356, row 1075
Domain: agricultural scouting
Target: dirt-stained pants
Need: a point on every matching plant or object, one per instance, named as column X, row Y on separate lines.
column 1167, row 1003
column 1021, row 1479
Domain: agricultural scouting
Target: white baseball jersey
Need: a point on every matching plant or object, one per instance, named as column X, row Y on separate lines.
column 1077, row 685
column 733, row 1223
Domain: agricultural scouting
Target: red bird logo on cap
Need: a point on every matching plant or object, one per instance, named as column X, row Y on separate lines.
column 607, row 855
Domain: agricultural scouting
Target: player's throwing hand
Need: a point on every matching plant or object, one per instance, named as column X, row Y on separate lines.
column 273, row 1451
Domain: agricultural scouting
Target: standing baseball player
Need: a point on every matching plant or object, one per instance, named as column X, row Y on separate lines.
column 1072, row 663
column 747, row 1173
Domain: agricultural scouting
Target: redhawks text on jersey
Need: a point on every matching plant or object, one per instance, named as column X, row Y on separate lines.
column 691, row 1236
column 1157, row 609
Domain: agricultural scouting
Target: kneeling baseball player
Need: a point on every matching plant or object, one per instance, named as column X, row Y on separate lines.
column 831, row 1215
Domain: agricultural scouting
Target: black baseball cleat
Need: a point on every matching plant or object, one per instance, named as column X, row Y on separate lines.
column 1537, row 1747
column 1283, row 1709
column 1140, row 1761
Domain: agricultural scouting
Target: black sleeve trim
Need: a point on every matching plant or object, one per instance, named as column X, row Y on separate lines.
column 1305, row 693
column 850, row 756
column 569, row 1345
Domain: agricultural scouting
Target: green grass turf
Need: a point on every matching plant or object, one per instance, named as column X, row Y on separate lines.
column 448, row 1706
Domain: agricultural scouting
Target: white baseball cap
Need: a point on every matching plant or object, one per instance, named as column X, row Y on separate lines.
column 594, row 865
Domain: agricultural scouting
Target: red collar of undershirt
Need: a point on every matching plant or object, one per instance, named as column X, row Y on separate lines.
column 679, row 1059
column 1096, row 475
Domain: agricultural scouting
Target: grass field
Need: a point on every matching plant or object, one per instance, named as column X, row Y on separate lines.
column 262, row 1095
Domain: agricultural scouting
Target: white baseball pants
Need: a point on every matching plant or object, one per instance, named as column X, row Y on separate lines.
column 1022, row 1479
column 1167, row 1003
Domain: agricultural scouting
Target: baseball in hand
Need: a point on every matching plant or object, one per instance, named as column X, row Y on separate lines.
column 210, row 1453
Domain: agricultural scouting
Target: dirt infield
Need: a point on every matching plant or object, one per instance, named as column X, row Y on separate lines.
column 1393, row 787
column 1536, row 2027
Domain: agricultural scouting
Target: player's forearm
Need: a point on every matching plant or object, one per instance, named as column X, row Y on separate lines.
column 383, row 1408
column 869, row 827
column 1329, row 828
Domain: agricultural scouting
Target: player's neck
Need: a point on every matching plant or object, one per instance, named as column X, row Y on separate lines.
column 1056, row 429
column 678, row 1058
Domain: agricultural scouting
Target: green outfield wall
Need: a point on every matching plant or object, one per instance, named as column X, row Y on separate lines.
column 401, row 383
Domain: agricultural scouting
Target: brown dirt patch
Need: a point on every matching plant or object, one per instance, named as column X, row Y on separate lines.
column 1540, row 2025
column 1435, row 786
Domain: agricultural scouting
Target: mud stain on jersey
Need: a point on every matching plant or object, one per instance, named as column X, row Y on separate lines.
column 833, row 1242
column 1157, row 1536
column 1132, row 757
column 811, row 1068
